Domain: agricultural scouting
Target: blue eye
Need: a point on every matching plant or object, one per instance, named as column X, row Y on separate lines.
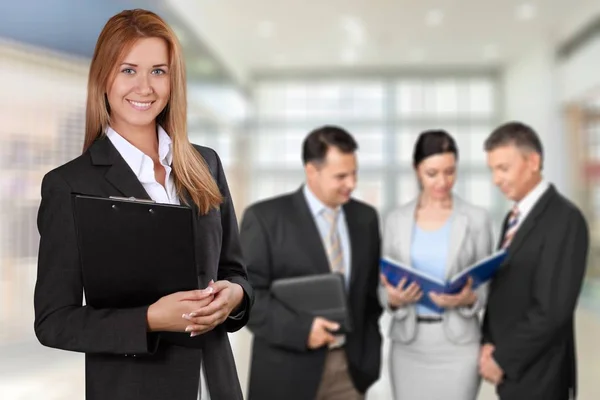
column 159, row 71
column 128, row 71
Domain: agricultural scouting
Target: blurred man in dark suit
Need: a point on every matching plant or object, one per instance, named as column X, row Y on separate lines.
column 317, row 229
column 528, row 332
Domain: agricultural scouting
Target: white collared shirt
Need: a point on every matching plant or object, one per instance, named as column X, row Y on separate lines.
column 143, row 166
column 529, row 201
column 317, row 209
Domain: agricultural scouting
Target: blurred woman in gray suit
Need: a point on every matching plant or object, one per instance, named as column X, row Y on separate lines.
column 434, row 355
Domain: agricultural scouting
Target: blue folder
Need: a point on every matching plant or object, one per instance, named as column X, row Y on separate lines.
column 480, row 272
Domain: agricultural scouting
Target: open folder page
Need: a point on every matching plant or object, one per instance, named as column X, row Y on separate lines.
column 480, row 272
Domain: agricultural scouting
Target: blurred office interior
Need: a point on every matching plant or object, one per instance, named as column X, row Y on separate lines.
column 261, row 75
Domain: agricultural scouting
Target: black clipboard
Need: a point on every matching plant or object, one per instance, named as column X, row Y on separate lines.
column 322, row 295
column 133, row 252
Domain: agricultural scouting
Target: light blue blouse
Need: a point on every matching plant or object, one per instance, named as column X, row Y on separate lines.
column 429, row 254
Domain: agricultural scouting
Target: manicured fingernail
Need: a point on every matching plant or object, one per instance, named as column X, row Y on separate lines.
column 186, row 316
column 209, row 289
column 188, row 329
column 192, row 315
column 194, row 334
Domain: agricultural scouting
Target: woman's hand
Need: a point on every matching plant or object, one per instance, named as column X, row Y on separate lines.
column 466, row 298
column 167, row 313
column 227, row 297
column 399, row 297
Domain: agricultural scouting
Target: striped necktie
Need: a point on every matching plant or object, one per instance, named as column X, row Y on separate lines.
column 335, row 256
column 333, row 243
column 511, row 227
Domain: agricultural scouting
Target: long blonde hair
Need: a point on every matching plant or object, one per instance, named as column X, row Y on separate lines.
column 116, row 39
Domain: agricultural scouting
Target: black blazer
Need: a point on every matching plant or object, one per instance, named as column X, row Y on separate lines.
column 280, row 239
column 123, row 360
column 532, row 300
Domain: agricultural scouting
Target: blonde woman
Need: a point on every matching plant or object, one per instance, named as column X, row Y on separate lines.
column 136, row 145
column 434, row 354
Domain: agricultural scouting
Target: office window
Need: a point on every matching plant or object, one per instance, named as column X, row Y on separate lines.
column 480, row 190
column 320, row 100
column 463, row 143
column 371, row 145
column 405, row 144
column 268, row 185
column 37, row 136
column 370, row 189
column 408, row 188
column 278, row 148
column 219, row 141
column 385, row 115
column 413, row 98
column 446, row 98
column 481, row 98
column 477, row 136
column 270, row 97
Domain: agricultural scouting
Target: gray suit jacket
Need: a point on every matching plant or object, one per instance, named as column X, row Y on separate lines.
column 472, row 239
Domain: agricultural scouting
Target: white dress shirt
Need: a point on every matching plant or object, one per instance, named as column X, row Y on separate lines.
column 317, row 208
column 143, row 168
column 529, row 201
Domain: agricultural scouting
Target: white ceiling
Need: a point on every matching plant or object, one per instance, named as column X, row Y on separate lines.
column 250, row 35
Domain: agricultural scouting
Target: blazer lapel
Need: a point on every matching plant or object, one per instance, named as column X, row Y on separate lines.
column 458, row 231
column 504, row 225
column 406, row 225
column 309, row 233
column 356, row 235
column 530, row 222
column 103, row 153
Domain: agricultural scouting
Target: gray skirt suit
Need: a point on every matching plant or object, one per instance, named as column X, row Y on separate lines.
column 437, row 360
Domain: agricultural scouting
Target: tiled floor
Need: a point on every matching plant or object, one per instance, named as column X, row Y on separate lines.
column 30, row 371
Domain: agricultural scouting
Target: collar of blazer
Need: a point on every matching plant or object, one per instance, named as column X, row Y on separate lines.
column 530, row 221
column 119, row 174
column 458, row 231
column 104, row 154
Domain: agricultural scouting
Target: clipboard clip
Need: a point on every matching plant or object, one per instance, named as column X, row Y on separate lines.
column 132, row 199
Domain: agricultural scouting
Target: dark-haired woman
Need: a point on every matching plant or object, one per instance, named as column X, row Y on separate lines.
column 434, row 354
